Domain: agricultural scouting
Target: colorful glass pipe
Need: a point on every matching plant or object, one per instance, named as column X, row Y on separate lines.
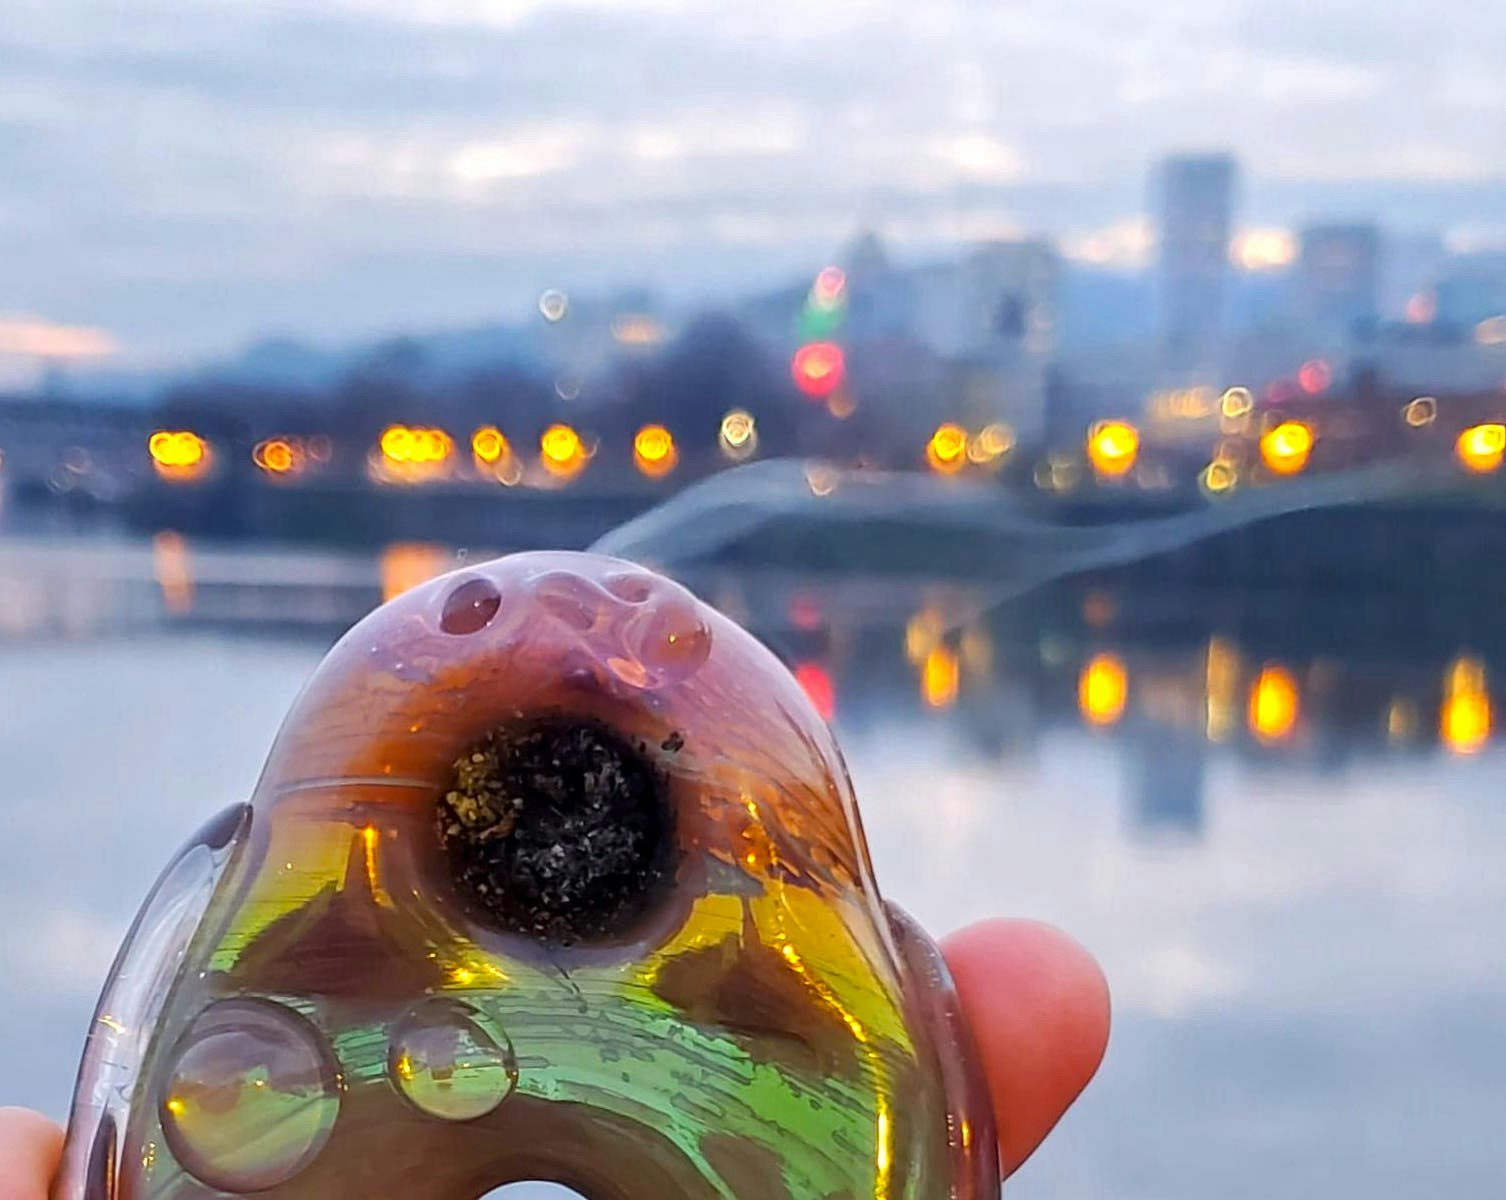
column 553, row 873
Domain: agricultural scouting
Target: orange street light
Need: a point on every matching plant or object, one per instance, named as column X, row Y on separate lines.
column 1113, row 447
column 654, row 451
column 1481, row 447
column 562, row 451
column 947, row 449
column 1286, row 448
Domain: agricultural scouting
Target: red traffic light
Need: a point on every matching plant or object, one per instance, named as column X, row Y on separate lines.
column 818, row 369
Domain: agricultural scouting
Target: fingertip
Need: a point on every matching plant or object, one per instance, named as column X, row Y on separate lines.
column 30, row 1146
column 1039, row 1008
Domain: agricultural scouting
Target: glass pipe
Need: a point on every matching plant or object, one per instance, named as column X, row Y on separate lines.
column 553, row 873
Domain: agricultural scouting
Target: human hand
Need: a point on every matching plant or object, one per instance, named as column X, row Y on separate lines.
column 1037, row 1003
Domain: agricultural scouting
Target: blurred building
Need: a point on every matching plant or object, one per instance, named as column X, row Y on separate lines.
column 1012, row 293
column 1437, row 365
column 994, row 313
column 1411, row 266
column 1001, row 298
column 967, row 339
column 1338, row 290
column 1194, row 206
column 881, row 299
column 1471, row 288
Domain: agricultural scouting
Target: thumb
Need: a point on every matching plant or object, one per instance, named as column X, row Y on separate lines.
column 1038, row 1006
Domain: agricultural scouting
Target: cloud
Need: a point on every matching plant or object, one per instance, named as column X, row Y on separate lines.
column 977, row 155
column 315, row 165
column 1126, row 244
column 544, row 152
column 29, row 337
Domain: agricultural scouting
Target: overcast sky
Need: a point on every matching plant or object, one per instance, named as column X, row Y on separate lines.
column 181, row 177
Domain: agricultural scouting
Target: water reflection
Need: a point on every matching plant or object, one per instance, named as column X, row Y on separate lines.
column 1275, row 705
column 1291, row 691
column 174, row 571
column 1103, row 689
column 1465, row 722
column 405, row 565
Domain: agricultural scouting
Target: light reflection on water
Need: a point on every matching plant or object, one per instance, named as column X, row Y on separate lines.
column 1277, row 823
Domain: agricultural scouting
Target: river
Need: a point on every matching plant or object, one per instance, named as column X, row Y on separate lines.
column 1279, row 826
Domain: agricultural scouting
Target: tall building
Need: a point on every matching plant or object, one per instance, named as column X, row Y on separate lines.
column 1013, row 295
column 1339, row 280
column 1001, row 298
column 993, row 315
column 1194, row 207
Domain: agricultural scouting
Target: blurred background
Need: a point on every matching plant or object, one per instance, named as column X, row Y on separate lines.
column 1101, row 409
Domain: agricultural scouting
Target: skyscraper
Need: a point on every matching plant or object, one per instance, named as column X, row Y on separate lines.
column 1340, row 280
column 1194, row 205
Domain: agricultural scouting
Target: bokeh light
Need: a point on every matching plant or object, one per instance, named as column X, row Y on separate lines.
column 179, row 455
column 818, row 369
column 990, row 445
column 654, row 452
column 415, row 445
column 1113, row 447
column 562, row 451
column 1421, row 412
column 1275, row 705
column 821, row 478
column 946, row 452
column 738, row 436
column 841, row 405
column 411, row 454
column 1220, row 477
column 1058, row 473
column 826, row 306
column 830, row 287
column 280, row 457
column 1480, row 447
column 1315, row 377
column 1286, row 448
column 489, row 445
column 940, row 676
column 1103, row 690
column 816, row 682
column 1237, row 402
column 1465, row 721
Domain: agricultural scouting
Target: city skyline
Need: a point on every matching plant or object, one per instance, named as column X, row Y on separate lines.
column 182, row 183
